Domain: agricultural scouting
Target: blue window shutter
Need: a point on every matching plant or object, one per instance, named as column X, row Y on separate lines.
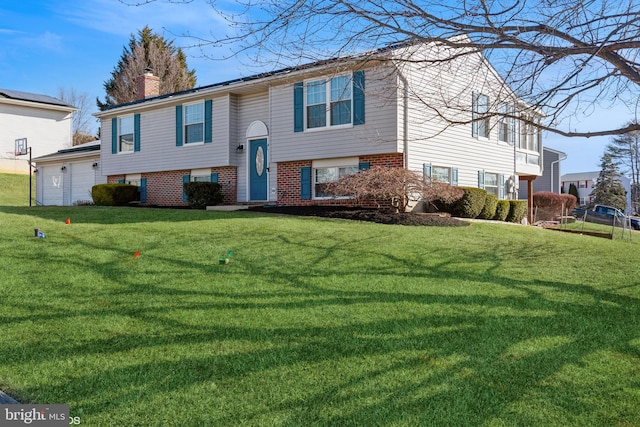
column 363, row 166
column 208, row 119
column 501, row 186
column 143, row 190
column 474, row 114
column 114, row 135
column 214, row 177
column 481, row 179
column 426, row 170
column 454, row 176
column 178, row 125
column 305, row 182
column 298, row 107
column 358, row 98
column 185, row 179
column 121, row 181
column 136, row 132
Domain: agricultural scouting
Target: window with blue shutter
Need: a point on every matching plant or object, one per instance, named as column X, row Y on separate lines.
column 358, row 97
column 364, row 166
column 136, row 132
column 208, row 121
column 454, row 176
column 305, row 182
column 481, row 179
column 178, row 125
column 298, row 107
column 214, row 177
column 426, row 170
column 185, row 179
column 143, row 190
column 114, row 135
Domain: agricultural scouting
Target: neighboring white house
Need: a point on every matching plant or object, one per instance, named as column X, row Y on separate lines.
column 65, row 178
column 585, row 183
column 45, row 122
column 278, row 137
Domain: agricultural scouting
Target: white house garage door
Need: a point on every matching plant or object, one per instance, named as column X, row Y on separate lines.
column 82, row 176
column 52, row 188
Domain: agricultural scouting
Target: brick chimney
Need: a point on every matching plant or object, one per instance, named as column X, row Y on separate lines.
column 147, row 85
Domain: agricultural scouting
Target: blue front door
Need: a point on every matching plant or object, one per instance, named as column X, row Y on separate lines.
column 258, row 181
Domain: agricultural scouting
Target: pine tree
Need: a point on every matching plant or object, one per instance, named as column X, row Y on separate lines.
column 147, row 50
column 608, row 189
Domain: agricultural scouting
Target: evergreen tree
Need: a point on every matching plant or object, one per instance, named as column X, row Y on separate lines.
column 147, row 50
column 608, row 189
column 625, row 150
column 574, row 191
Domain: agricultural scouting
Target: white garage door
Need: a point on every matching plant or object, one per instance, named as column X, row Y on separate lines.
column 82, row 178
column 52, row 185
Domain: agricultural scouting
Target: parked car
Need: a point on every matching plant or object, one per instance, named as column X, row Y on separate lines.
column 602, row 214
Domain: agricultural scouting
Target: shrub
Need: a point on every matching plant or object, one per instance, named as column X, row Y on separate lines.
column 469, row 205
column 517, row 210
column 570, row 202
column 394, row 186
column 490, row 205
column 114, row 194
column 502, row 210
column 203, row 194
column 547, row 205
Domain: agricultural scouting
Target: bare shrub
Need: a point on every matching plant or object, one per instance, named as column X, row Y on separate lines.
column 395, row 186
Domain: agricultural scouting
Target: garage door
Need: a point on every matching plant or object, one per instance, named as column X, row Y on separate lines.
column 82, row 178
column 52, row 185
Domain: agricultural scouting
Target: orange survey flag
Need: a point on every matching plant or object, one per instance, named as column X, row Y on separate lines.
column 136, row 255
column 68, row 221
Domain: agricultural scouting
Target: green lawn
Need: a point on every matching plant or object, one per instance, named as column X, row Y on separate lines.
column 315, row 321
column 14, row 190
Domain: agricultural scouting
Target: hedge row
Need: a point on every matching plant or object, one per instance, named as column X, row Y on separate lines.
column 477, row 203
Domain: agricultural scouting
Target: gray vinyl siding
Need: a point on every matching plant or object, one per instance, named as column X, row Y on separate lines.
column 432, row 140
column 377, row 135
column 249, row 109
column 158, row 150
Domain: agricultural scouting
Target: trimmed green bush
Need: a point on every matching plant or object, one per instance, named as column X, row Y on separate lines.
column 502, row 210
column 203, row 194
column 470, row 204
column 490, row 205
column 517, row 210
column 114, row 194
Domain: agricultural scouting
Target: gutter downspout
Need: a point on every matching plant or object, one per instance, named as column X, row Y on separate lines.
column 561, row 158
column 405, row 118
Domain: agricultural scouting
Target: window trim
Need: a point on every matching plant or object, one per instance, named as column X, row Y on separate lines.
column 476, row 113
column 185, row 124
column 347, row 162
column 328, row 102
column 119, row 134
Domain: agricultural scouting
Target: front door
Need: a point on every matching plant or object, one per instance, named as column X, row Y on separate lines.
column 258, row 181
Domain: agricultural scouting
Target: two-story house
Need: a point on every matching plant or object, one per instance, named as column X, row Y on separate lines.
column 277, row 137
column 45, row 122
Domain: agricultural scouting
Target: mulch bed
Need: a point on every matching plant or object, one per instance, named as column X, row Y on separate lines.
column 364, row 214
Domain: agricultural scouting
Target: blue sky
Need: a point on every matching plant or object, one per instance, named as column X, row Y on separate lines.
column 75, row 44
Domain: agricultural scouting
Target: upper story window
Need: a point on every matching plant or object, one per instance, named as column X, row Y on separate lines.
column 125, row 134
column 337, row 111
column 530, row 135
column 480, row 127
column 194, row 123
column 507, row 124
column 328, row 102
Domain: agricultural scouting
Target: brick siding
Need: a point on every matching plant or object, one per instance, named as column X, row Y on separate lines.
column 288, row 180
